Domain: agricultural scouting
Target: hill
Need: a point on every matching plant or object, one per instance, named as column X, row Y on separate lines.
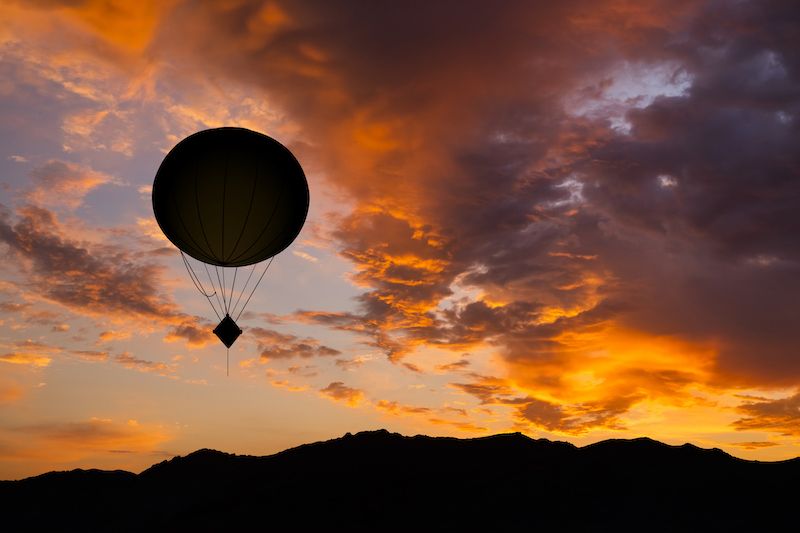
column 381, row 481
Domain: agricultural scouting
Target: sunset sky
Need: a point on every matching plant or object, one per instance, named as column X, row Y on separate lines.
column 578, row 219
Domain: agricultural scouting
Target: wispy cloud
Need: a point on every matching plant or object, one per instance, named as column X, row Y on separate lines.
column 60, row 183
column 275, row 345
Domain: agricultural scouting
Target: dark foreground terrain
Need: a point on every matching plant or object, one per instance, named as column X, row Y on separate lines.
column 380, row 481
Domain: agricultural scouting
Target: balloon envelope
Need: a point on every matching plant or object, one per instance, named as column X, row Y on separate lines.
column 230, row 196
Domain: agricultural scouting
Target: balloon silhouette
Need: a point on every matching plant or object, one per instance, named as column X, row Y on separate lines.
column 229, row 197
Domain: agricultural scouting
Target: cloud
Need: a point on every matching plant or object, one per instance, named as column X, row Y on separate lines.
column 430, row 415
column 354, row 363
column 601, row 194
column 64, row 184
column 30, row 353
column 489, row 390
column 780, row 416
column 396, row 408
column 284, row 384
column 111, row 335
column 755, row 445
column 275, row 345
column 305, row 370
column 459, row 424
column 560, row 224
column 455, row 366
column 195, row 332
column 91, row 355
column 563, row 415
column 94, row 279
column 339, row 392
column 575, row 419
column 25, row 358
column 303, row 255
column 142, row 365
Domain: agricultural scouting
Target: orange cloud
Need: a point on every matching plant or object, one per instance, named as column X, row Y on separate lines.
column 110, row 335
column 284, row 384
column 142, row 365
column 194, row 332
column 395, row 408
column 755, row 445
column 24, row 358
column 339, row 392
column 780, row 416
column 461, row 425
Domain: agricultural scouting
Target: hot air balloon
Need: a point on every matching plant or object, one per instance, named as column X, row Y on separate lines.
column 229, row 198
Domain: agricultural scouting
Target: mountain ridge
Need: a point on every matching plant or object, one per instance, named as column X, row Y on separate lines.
column 387, row 481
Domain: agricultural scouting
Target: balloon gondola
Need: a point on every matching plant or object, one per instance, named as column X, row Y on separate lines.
column 229, row 198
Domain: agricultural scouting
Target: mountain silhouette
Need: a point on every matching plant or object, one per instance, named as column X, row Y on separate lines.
column 382, row 481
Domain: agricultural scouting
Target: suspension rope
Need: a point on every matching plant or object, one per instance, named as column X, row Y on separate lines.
column 199, row 285
column 246, row 283
column 212, row 284
column 233, row 285
column 216, row 268
column 224, row 286
column 254, row 287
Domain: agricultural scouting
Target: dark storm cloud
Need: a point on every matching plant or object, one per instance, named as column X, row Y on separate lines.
column 458, row 131
column 727, row 222
column 483, row 187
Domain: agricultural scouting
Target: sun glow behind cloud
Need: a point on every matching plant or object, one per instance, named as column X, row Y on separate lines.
column 558, row 224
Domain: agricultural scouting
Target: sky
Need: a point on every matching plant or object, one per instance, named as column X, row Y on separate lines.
column 578, row 220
